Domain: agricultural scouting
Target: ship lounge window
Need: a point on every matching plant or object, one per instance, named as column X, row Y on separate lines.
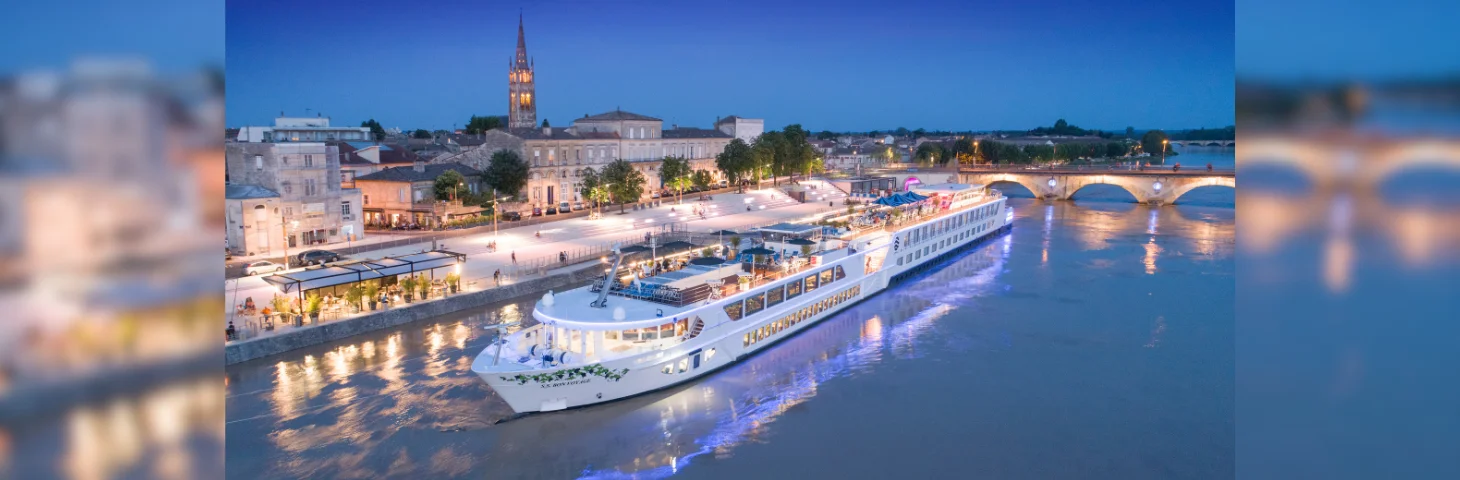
column 650, row 333
column 811, row 283
column 683, row 364
column 826, row 276
column 754, row 303
column 631, row 335
column 793, row 289
column 840, row 274
column 666, row 330
column 610, row 335
column 734, row 310
column 775, row 296
column 668, row 368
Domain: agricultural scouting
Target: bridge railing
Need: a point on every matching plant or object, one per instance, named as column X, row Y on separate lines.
column 1132, row 168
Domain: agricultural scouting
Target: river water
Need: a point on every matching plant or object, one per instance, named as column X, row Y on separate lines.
column 1094, row 340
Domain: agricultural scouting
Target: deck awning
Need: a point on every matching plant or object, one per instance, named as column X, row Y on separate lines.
column 329, row 276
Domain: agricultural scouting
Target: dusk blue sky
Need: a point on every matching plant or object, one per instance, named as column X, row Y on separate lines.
column 955, row 65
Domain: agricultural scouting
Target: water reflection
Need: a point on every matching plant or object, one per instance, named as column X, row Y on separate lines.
column 169, row 432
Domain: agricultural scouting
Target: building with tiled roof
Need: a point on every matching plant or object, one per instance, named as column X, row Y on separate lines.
column 407, row 195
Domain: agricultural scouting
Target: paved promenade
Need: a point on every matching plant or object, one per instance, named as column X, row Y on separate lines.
column 581, row 238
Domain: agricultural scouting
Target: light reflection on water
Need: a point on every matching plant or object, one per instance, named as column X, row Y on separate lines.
column 412, row 407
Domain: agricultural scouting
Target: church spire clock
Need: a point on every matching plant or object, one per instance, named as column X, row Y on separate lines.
column 522, row 101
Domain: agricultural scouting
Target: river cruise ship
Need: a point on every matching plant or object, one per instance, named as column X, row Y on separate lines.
column 626, row 334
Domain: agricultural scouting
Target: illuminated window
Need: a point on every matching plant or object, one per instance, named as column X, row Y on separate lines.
column 754, row 303
column 667, row 369
column 811, row 283
column 775, row 296
column 683, row 365
column 793, row 289
column 735, row 311
column 709, row 354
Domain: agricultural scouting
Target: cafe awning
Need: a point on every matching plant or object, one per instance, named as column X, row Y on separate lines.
column 341, row 274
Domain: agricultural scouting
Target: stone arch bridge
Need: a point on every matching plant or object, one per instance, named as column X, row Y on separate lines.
column 1150, row 186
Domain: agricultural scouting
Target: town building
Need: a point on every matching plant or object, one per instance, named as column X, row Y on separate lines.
column 745, row 129
column 312, row 207
column 364, row 158
column 302, row 129
column 558, row 156
column 399, row 196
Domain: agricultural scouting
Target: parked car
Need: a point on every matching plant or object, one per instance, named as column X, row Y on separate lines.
column 551, row 211
column 577, row 206
column 512, row 216
column 564, row 207
column 261, row 267
column 318, row 257
column 537, row 211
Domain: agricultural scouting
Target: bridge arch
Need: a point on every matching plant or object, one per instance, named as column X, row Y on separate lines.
column 1425, row 154
column 1183, row 188
column 996, row 184
column 1084, row 186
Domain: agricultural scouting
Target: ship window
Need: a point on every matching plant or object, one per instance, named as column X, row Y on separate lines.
column 747, row 340
column 667, row 368
column 840, row 274
column 811, row 283
column 650, row 333
column 754, row 303
column 899, row 261
column 631, row 335
column 666, row 330
column 826, row 276
column 775, row 296
column 683, row 364
column 793, row 290
column 709, row 354
column 734, row 310
column 611, row 335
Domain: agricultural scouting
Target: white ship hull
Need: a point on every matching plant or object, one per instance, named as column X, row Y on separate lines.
column 569, row 386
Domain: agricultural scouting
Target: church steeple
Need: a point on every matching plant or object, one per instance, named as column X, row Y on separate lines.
column 521, row 98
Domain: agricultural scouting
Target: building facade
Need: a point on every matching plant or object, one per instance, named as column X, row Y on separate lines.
column 312, row 207
column 302, row 129
column 745, row 129
column 399, row 196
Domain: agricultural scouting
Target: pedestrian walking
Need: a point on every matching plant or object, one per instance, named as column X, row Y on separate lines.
column 497, row 277
column 514, row 257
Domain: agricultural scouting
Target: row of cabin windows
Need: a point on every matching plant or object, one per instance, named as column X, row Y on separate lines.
column 964, row 235
column 799, row 316
column 688, row 363
column 934, row 229
column 668, row 330
column 770, row 298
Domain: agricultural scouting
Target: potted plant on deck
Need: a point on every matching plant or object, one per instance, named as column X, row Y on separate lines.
column 408, row 286
column 452, row 281
column 423, row 286
column 281, row 308
column 354, row 295
column 372, row 295
column 312, row 306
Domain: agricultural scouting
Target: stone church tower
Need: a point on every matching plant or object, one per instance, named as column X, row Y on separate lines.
column 522, row 101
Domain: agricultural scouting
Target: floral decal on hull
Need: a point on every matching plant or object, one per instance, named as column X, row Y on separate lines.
column 594, row 370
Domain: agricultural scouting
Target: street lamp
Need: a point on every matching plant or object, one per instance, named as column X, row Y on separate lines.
column 1163, row 151
column 291, row 225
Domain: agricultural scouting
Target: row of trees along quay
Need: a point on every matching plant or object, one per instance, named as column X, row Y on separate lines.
column 775, row 154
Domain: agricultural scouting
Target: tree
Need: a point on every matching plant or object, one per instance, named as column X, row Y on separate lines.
column 735, row 160
column 675, row 172
column 625, row 183
column 506, row 172
column 901, row 132
column 702, row 179
column 440, row 133
column 375, row 129
column 448, row 184
column 825, row 135
column 1130, row 132
column 919, row 133
column 930, row 152
column 478, row 125
column 1152, row 142
column 421, row 133
column 769, row 153
column 1115, row 149
column 873, row 133
column 796, row 153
